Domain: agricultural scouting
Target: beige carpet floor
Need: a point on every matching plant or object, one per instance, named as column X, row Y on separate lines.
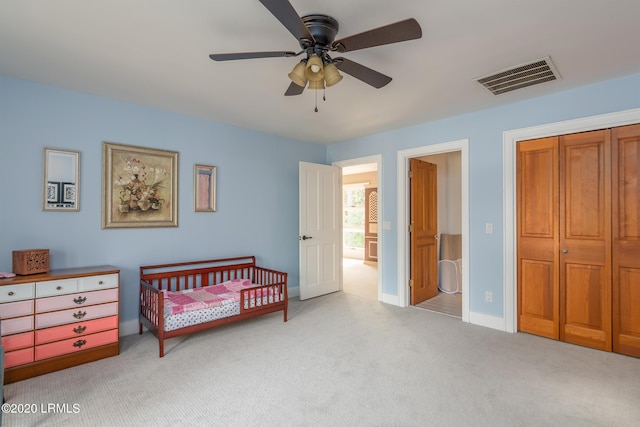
column 359, row 278
column 340, row 360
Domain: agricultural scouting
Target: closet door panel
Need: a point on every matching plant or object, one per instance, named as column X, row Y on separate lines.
column 626, row 239
column 537, row 222
column 585, row 239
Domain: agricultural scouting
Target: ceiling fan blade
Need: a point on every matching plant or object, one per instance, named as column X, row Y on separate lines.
column 249, row 55
column 294, row 89
column 360, row 72
column 287, row 15
column 409, row 29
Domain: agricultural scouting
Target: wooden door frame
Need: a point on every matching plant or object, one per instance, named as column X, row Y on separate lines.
column 377, row 159
column 509, row 140
column 403, row 217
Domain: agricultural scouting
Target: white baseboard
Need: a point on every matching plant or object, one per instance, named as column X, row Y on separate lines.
column 293, row 292
column 391, row 299
column 487, row 321
column 129, row 327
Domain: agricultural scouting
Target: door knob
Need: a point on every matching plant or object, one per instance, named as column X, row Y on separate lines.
column 305, row 237
column 565, row 251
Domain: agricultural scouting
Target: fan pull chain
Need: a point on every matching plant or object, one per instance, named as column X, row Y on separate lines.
column 316, row 109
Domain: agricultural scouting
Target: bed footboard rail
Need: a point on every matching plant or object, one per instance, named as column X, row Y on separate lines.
column 270, row 295
column 151, row 307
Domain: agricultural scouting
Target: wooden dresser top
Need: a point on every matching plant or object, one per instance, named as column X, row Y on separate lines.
column 65, row 273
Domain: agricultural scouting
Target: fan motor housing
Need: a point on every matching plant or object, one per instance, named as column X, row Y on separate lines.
column 323, row 28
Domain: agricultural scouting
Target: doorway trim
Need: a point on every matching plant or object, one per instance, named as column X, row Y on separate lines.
column 509, row 140
column 403, row 216
column 377, row 159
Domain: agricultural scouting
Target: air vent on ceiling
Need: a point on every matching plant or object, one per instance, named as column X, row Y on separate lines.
column 533, row 73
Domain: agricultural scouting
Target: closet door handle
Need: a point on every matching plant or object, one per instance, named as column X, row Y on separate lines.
column 565, row 251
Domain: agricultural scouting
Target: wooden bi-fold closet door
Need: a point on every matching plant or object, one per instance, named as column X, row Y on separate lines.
column 578, row 212
column 585, row 239
column 626, row 239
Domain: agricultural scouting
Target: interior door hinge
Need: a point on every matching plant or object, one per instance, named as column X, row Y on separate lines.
column 410, row 174
column 411, row 283
column 411, row 228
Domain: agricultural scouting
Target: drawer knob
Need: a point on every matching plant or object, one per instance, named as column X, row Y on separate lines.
column 58, row 288
column 79, row 314
column 80, row 300
column 79, row 329
column 79, row 343
column 100, row 282
column 10, row 293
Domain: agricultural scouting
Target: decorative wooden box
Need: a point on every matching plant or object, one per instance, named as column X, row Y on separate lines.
column 31, row 261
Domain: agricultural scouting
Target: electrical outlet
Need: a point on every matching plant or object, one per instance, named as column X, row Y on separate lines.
column 488, row 296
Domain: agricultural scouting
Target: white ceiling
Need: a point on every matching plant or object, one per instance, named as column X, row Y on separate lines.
column 155, row 53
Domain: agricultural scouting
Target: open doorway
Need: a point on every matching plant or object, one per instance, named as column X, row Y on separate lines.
column 447, row 208
column 360, row 197
column 404, row 252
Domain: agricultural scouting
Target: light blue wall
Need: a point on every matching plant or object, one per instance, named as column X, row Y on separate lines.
column 257, row 181
column 257, row 191
column 484, row 130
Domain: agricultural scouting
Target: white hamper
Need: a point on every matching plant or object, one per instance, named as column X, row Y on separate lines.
column 450, row 264
column 448, row 276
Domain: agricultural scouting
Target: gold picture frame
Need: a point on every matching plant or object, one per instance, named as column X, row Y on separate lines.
column 204, row 188
column 139, row 187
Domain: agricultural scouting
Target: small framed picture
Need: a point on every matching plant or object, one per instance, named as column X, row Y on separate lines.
column 53, row 192
column 68, row 192
column 204, row 188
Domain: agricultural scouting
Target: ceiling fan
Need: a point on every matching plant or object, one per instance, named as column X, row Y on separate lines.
column 316, row 35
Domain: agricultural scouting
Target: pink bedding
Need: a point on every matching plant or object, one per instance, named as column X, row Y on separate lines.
column 209, row 296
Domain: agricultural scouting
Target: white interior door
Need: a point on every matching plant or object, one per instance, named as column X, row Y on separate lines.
column 320, row 229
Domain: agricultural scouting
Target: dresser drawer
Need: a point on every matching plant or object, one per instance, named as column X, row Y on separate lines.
column 56, row 287
column 79, row 329
column 76, row 300
column 18, row 357
column 17, row 292
column 15, row 309
column 76, row 344
column 93, row 283
column 17, row 325
column 14, row 342
column 74, row 315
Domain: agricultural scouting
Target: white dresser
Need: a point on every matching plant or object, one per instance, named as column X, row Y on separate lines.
column 58, row 319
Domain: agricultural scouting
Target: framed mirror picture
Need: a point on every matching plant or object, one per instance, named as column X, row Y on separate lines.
column 61, row 180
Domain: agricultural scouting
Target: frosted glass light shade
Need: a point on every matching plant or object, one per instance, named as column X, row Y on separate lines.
column 331, row 75
column 316, row 85
column 314, row 70
column 297, row 75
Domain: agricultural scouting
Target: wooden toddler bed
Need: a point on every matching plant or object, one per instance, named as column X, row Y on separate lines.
column 181, row 298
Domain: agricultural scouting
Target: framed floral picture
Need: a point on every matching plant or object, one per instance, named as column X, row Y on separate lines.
column 204, row 184
column 139, row 187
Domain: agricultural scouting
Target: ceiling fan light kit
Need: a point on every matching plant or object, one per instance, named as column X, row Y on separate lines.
column 316, row 36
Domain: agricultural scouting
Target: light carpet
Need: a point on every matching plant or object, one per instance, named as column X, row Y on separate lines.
column 342, row 360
